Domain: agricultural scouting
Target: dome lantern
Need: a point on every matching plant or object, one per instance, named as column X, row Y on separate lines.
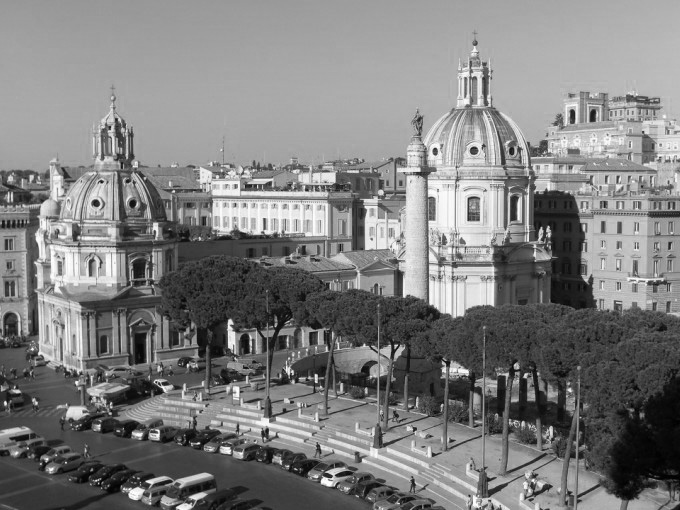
column 112, row 141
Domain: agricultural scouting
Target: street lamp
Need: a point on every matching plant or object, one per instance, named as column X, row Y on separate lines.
column 484, row 398
column 578, row 421
column 314, row 373
column 267, row 400
column 377, row 437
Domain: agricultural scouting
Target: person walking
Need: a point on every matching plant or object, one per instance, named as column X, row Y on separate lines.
column 468, row 503
column 266, row 433
column 318, row 450
column 262, row 435
column 31, row 373
column 395, row 416
column 86, row 451
column 413, row 485
column 62, row 420
column 238, row 428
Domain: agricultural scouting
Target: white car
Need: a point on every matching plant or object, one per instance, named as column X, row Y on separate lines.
column 164, row 385
column 116, row 371
column 192, row 501
column 333, row 477
column 20, row 449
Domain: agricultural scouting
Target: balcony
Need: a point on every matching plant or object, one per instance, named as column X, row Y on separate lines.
column 646, row 278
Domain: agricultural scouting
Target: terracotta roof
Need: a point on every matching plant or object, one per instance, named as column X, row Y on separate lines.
column 179, row 182
column 310, row 263
column 363, row 258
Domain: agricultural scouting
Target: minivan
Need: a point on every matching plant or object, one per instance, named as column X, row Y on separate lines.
column 105, row 424
column 153, row 483
column 154, row 495
column 14, row 435
column 162, row 433
column 182, row 488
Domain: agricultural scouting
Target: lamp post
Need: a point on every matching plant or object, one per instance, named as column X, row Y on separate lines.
column 484, row 398
column 267, row 400
column 377, row 437
column 314, row 373
column 578, row 421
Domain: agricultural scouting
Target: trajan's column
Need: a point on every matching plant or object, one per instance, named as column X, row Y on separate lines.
column 416, row 279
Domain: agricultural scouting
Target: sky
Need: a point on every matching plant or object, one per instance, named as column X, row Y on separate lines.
column 316, row 79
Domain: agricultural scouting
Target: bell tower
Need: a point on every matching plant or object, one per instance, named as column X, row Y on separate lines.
column 112, row 141
column 474, row 80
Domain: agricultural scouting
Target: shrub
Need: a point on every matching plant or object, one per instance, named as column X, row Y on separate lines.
column 559, row 446
column 494, row 424
column 458, row 411
column 357, row 392
column 525, row 435
column 392, row 399
column 428, row 405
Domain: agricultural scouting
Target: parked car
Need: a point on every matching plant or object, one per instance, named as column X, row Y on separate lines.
column 116, row 481
column 104, row 424
column 265, row 454
column 162, row 434
column 105, row 472
column 229, row 375
column 241, row 368
column 63, row 463
column 137, row 493
column 124, row 428
column 82, row 474
column 333, row 477
column 227, row 447
column 35, row 452
column 417, row 504
column 54, row 453
column 16, row 396
column 196, row 365
column 141, row 433
column 240, row 504
column 116, row 371
column 202, row 438
column 153, row 496
column 163, row 385
column 378, row 493
column 362, row 489
column 135, row 481
column 394, row 501
column 246, row 451
column 39, row 361
column 85, row 422
column 280, row 455
column 289, row 460
column 191, row 502
column 20, row 450
column 216, row 499
column 183, row 436
column 349, row 485
column 182, row 362
column 302, row 467
column 214, row 444
column 316, row 472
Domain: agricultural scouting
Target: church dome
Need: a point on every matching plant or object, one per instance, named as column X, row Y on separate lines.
column 474, row 133
column 113, row 195
column 476, row 136
column 49, row 209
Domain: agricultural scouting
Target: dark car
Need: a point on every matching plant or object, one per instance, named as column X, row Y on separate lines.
column 84, row 422
column 215, row 499
column 266, row 454
column 136, row 480
column 203, row 437
column 230, row 375
column 98, row 477
column 362, row 489
column 125, row 428
column 82, row 474
column 35, row 452
column 289, row 460
column 104, row 424
column 182, row 362
column 15, row 344
column 184, row 436
column 302, row 467
column 115, row 482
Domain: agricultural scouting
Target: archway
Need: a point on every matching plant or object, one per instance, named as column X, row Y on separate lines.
column 244, row 344
column 593, row 115
column 572, row 116
column 11, row 324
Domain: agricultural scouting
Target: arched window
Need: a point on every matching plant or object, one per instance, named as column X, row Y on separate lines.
column 10, row 288
column 431, row 209
column 103, row 344
column 572, row 116
column 473, row 209
column 60, row 267
column 92, row 267
column 473, row 90
column 514, row 208
column 138, row 272
column 593, row 115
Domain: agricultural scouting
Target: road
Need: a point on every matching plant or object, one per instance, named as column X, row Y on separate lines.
column 22, row 486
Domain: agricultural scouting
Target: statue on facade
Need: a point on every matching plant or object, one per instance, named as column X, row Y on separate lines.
column 435, row 237
column 506, row 236
column 548, row 234
column 540, row 235
column 417, row 123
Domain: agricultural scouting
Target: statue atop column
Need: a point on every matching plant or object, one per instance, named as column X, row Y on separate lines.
column 417, row 124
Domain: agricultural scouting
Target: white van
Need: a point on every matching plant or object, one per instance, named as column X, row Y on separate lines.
column 10, row 437
column 137, row 493
column 74, row 413
column 182, row 488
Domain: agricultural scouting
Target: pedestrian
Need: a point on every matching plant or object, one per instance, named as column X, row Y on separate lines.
column 14, row 373
column 6, row 404
column 473, row 466
column 31, row 373
column 413, row 485
column 111, row 408
column 86, row 451
column 318, row 450
column 262, row 435
column 193, row 422
column 395, row 416
column 34, row 403
column 62, row 420
column 382, row 415
column 468, row 503
column 266, row 433
column 525, row 488
column 238, row 429
column 26, row 373
column 149, row 372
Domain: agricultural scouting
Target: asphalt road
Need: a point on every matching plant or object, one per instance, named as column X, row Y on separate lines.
column 23, row 487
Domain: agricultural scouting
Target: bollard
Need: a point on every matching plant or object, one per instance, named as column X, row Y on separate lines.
column 184, row 387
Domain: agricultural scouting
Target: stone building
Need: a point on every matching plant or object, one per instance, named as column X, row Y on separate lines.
column 103, row 244
column 469, row 233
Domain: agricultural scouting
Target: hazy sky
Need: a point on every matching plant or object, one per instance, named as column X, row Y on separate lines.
column 319, row 79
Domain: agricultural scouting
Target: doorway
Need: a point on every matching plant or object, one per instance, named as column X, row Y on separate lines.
column 140, row 348
column 11, row 324
column 245, row 344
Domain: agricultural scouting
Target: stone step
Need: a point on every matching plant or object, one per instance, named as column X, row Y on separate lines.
column 240, row 411
column 297, row 423
column 407, row 456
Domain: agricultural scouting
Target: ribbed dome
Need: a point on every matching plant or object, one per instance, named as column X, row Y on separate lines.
column 476, row 136
column 113, row 195
column 49, row 209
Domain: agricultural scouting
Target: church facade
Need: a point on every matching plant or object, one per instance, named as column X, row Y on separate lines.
column 103, row 245
column 469, row 237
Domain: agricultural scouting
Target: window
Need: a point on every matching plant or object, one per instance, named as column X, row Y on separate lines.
column 583, row 269
column 618, row 306
column 10, row 288
column 618, row 286
column 671, row 227
column 657, row 228
column 514, row 208
column 669, row 287
column 670, row 245
column 9, row 244
column 601, row 285
column 371, row 231
column 250, row 253
column 635, row 267
column 138, row 272
column 342, row 227
column 583, row 246
column 603, row 263
column 656, row 268
column 314, row 338
column 668, row 307
column 9, row 265
column 600, row 304
column 103, row 344
column 603, row 243
column 656, row 246
column 431, row 209
column 669, row 265
column 253, row 224
column 636, row 245
column 382, row 232
column 60, row 267
column 619, row 245
column 584, row 228
column 634, row 287
column 636, row 227
column 566, row 268
column 319, row 226
column 619, row 227
column 620, row 204
column 567, row 227
column 603, row 227
column 618, row 264
column 92, row 268
column 637, row 204
column 341, row 247
column 603, row 204
column 474, row 213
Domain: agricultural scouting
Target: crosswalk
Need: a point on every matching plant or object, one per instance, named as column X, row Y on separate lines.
column 27, row 411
